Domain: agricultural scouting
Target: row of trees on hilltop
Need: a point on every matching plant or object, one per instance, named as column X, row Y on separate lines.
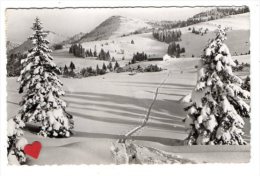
column 201, row 17
column 214, row 14
column 220, row 13
column 165, row 35
column 175, row 49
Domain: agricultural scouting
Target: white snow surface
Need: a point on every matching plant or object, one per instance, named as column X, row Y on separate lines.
column 128, row 25
column 106, row 107
column 234, row 22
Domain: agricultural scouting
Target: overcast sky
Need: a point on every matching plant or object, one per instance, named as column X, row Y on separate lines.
column 69, row 22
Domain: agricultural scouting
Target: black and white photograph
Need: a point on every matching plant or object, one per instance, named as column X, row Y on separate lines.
column 128, row 85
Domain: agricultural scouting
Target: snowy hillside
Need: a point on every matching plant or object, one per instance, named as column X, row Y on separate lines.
column 195, row 99
column 73, row 39
column 121, row 46
column 237, row 40
column 104, row 110
column 110, row 38
column 115, row 35
column 234, row 22
column 113, row 27
column 130, row 25
column 11, row 45
column 53, row 38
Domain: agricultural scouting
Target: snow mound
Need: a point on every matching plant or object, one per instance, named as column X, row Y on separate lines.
column 129, row 153
column 186, row 99
column 166, row 57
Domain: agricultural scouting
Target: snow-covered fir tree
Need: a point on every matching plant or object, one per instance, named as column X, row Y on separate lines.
column 218, row 107
column 41, row 102
column 15, row 141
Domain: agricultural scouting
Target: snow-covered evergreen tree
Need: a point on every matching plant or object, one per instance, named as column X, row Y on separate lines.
column 216, row 114
column 15, row 141
column 43, row 89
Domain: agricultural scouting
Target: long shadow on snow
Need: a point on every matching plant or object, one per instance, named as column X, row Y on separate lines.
column 162, row 140
column 134, row 116
column 14, row 103
column 154, row 87
column 129, row 122
column 162, row 93
column 160, row 105
column 157, row 84
column 159, row 117
column 126, row 109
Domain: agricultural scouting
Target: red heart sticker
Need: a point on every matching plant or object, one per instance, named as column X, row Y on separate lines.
column 33, row 149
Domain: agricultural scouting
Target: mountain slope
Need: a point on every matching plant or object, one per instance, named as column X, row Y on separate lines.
column 73, row 39
column 11, row 45
column 113, row 27
column 238, row 39
column 234, row 22
column 53, row 38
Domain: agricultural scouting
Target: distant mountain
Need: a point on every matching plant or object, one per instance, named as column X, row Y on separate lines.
column 115, row 26
column 218, row 13
column 11, row 45
column 209, row 15
column 53, row 38
column 73, row 39
column 119, row 26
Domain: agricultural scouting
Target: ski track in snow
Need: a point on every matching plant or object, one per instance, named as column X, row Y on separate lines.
column 106, row 107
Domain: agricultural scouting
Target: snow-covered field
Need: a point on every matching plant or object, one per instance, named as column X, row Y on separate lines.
column 194, row 44
column 234, row 22
column 106, row 107
column 119, row 47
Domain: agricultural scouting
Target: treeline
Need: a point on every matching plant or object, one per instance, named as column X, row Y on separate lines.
column 246, row 84
column 199, row 31
column 220, row 13
column 89, row 71
column 104, row 55
column 213, row 14
column 175, row 49
column 139, row 69
column 152, row 68
column 165, row 35
column 240, row 66
column 78, row 51
column 13, row 65
column 68, row 71
column 138, row 57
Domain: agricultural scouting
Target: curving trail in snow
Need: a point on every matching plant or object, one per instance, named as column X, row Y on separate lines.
column 106, row 107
